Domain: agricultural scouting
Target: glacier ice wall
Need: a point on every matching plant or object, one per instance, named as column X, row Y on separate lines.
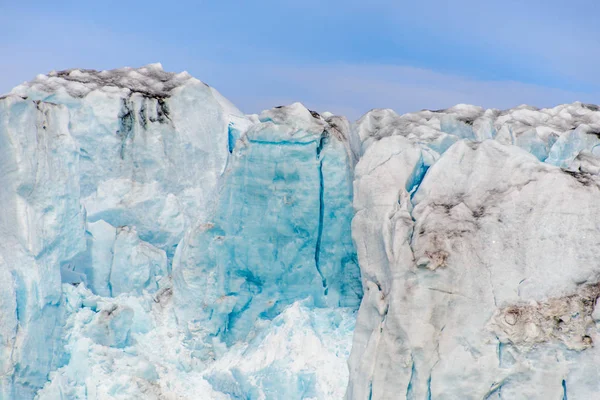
column 146, row 159
column 157, row 243
column 41, row 222
column 155, row 237
column 82, row 149
column 280, row 233
column 480, row 274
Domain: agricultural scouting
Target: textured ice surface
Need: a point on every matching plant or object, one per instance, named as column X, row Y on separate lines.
column 152, row 145
column 81, row 147
column 484, row 284
column 535, row 130
column 103, row 174
column 129, row 347
column 281, row 236
column 41, row 224
column 159, row 244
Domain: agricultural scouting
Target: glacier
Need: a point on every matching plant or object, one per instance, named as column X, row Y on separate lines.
column 158, row 243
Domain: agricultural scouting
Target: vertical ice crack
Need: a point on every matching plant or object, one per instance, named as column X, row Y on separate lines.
column 416, row 178
column 230, row 138
column 429, row 387
column 412, row 185
column 143, row 114
column 499, row 352
column 126, row 122
column 162, row 111
column 490, row 278
column 320, row 146
column 495, row 389
column 564, row 386
column 409, row 389
column 112, row 260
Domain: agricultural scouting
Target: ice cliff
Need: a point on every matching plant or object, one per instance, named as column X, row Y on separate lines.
column 157, row 243
column 476, row 234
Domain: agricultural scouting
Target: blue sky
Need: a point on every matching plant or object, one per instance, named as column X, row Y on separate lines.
column 342, row 56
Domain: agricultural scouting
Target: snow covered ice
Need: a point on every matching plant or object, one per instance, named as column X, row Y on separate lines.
column 157, row 243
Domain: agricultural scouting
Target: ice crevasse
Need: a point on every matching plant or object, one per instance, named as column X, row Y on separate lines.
column 157, row 243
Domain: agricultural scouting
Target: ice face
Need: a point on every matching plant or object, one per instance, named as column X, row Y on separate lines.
column 282, row 236
column 157, row 243
column 484, row 284
column 382, row 229
column 42, row 224
column 147, row 159
column 83, row 151
column 105, row 171
column 116, row 261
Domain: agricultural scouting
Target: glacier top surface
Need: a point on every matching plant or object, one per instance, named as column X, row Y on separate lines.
column 153, row 81
column 379, row 123
column 150, row 80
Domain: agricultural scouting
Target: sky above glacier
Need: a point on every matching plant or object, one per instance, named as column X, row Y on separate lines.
column 342, row 56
